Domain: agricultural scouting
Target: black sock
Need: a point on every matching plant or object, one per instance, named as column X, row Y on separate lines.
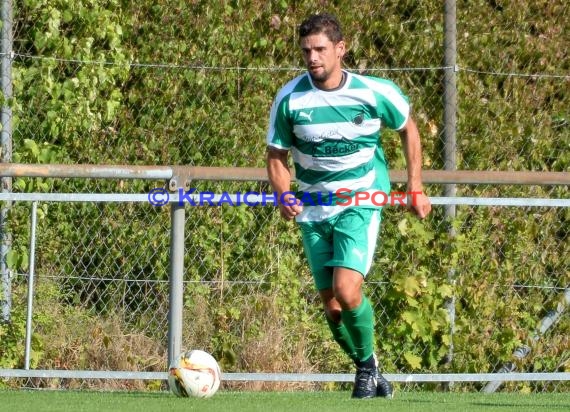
column 368, row 363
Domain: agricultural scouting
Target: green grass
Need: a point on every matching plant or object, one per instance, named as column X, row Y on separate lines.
column 78, row 401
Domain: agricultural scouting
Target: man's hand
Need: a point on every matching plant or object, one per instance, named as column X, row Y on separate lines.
column 280, row 179
column 418, row 203
column 290, row 206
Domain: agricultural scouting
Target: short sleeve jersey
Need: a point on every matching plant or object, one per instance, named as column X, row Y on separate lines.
column 334, row 137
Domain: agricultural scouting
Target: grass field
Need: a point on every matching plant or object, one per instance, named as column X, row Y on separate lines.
column 79, row 401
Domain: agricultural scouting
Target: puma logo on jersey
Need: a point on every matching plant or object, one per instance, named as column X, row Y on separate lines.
column 307, row 116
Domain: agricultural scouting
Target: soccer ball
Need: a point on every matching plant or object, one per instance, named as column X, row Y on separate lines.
column 194, row 373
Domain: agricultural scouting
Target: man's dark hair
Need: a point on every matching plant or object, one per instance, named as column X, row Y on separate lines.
column 321, row 23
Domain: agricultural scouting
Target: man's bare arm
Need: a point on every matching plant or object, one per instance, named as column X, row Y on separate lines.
column 418, row 202
column 280, row 180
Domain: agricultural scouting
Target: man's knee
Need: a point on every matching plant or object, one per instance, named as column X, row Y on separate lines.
column 349, row 299
column 347, row 288
column 331, row 305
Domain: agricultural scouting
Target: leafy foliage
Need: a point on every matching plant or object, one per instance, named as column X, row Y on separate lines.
column 178, row 82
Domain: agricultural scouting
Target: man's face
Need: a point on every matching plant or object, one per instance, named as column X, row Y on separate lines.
column 322, row 57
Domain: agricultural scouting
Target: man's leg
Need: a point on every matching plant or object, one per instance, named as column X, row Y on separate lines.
column 334, row 321
column 318, row 248
column 356, row 312
column 355, row 234
column 323, row 258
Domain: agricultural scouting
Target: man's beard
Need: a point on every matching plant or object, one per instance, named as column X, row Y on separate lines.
column 319, row 78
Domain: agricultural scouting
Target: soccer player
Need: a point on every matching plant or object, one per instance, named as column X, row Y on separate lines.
column 330, row 120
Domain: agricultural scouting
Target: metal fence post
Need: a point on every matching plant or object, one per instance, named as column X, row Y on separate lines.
column 31, row 275
column 6, row 156
column 450, row 96
column 449, row 134
column 176, row 282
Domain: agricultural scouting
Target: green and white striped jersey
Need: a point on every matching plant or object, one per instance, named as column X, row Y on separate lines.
column 334, row 136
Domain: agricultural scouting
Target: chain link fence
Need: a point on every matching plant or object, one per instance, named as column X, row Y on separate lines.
column 154, row 83
column 101, row 300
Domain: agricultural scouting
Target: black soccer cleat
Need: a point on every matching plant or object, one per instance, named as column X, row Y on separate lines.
column 383, row 387
column 365, row 383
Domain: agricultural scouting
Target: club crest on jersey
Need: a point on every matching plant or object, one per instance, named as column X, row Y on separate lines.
column 358, row 119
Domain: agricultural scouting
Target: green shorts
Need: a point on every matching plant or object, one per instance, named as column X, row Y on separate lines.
column 346, row 240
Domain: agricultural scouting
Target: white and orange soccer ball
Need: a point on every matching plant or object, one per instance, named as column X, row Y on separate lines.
column 194, row 373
